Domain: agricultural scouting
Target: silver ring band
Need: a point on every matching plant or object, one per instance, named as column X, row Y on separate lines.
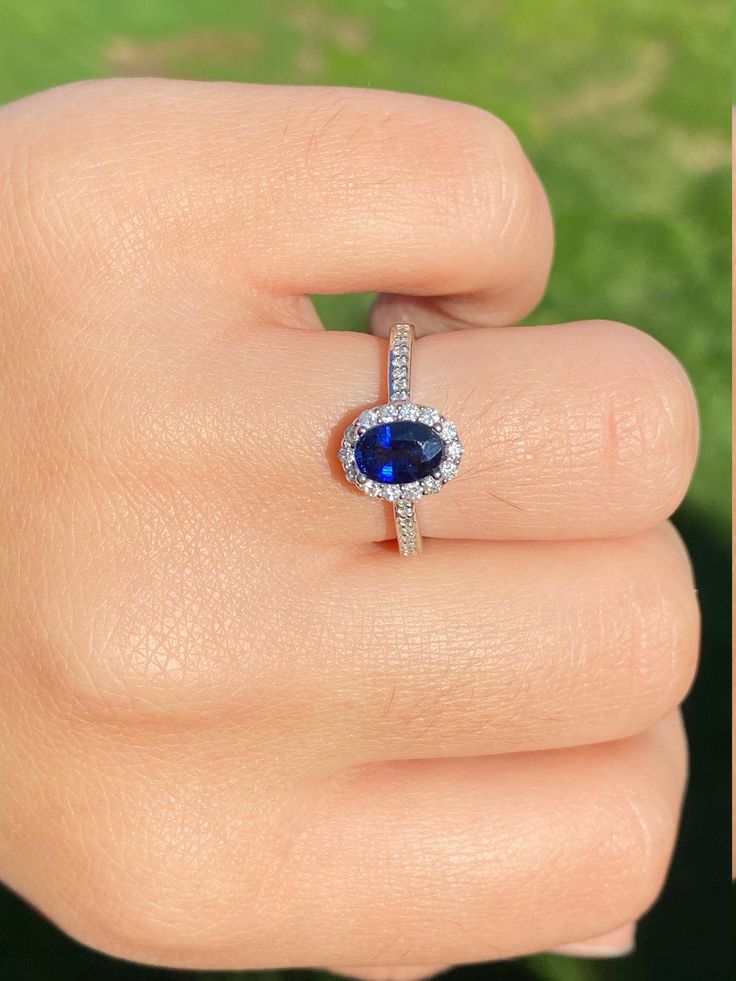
column 401, row 451
column 400, row 344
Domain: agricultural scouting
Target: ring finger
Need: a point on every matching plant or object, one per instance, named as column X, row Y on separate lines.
column 571, row 431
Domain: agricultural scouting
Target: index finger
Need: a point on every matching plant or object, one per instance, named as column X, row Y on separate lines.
column 294, row 190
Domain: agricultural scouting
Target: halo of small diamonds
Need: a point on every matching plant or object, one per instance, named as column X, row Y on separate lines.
column 404, row 412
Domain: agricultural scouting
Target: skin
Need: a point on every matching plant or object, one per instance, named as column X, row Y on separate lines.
column 238, row 730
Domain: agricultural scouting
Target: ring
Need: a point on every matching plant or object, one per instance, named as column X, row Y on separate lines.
column 401, row 451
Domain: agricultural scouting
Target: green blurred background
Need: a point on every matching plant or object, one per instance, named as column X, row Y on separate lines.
column 624, row 108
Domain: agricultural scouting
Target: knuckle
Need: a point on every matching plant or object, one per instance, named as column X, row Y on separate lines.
column 71, row 195
column 134, row 914
column 472, row 185
column 153, row 917
column 650, row 428
column 635, row 810
column 493, row 196
column 663, row 634
column 638, row 843
column 42, row 137
column 143, row 609
column 499, row 171
column 162, row 889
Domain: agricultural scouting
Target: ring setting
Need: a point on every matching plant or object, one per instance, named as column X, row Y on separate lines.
column 401, row 451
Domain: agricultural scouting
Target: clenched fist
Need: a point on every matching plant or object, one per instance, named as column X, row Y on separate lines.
column 238, row 729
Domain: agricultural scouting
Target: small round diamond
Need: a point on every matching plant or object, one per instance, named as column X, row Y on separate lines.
column 448, row 469
column 367, row 419
column 428, row 416
column 411, row 492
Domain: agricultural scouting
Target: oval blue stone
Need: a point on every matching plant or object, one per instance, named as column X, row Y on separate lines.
column 399, row 452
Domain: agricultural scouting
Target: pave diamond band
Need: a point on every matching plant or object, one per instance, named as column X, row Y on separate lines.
column 407, row 528
column 401, row 451
column 400, row 344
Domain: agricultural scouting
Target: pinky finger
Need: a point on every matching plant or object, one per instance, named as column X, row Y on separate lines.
column 616, row 943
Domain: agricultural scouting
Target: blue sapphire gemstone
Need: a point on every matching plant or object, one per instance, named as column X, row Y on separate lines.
column 399, row 452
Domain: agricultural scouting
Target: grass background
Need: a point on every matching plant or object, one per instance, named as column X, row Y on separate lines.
column 624, row 109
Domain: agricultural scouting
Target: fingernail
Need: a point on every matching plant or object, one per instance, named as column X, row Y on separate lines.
column 617, row 943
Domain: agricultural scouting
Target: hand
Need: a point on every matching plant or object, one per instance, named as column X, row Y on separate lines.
column 240, row 730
